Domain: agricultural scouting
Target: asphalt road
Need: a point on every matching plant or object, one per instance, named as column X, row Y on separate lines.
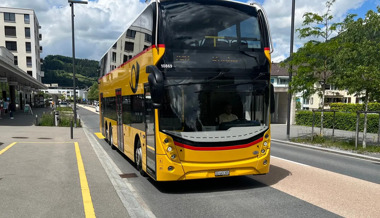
column 290, row 190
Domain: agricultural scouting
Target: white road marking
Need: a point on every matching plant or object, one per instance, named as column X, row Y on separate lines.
column 133, row 203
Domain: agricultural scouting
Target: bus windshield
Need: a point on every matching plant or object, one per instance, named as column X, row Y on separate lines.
column 211, row 25
column 219, row 109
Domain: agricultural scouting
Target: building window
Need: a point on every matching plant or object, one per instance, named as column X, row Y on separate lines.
column 115, row 45
column 272, row 80
column 10, row 31
column 305, row 101
column 125, row 59
column 26, row 18
column 148, row 38
column 113, row 56
column 28, row 47
column 283, row 81
column 15, row 60
column 131, row 34
column 129, row 46
column 11, row 46
column 27, row 32
column 29, row 61
column 30, row 72
column 9, row 17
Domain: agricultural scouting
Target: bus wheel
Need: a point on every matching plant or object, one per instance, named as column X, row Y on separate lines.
column 110, row 140
column 138, row 158
column 106, row 132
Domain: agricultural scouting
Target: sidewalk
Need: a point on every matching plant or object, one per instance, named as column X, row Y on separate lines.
column 23, row 119
column 43, row 172
column 278, row 132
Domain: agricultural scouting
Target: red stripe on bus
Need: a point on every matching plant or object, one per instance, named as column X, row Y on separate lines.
column 218, row 148
column 266, row 49
column 138, row 55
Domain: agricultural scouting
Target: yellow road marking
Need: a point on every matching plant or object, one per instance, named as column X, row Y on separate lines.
column 87, row 201
column 100, row 135
column 6, row 148
column 45, row 142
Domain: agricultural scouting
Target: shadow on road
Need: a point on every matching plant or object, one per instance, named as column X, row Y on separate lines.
column 222, row 184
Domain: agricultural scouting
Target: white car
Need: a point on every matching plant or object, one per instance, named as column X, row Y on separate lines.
column 97, row 108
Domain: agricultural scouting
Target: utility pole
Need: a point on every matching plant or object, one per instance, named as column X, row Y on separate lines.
column 290, row 71
column 72, row 2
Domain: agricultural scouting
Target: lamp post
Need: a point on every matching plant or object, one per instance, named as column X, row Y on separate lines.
column 72, row 2
column 290, row 71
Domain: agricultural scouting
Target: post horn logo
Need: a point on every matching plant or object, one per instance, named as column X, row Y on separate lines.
column 135, row 72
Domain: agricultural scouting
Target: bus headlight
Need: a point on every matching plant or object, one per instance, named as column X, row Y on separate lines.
column 265, row 143
column 170, row 149
column 263, row 151
column 173, row 156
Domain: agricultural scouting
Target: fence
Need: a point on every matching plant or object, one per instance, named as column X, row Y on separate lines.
column 357, row 123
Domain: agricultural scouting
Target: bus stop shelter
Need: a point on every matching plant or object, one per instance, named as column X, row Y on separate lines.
column 17, row 80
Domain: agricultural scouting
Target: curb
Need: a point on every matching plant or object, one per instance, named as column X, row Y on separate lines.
column 365, row 157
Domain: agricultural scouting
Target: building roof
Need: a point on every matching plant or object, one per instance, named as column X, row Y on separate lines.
column 277, row 70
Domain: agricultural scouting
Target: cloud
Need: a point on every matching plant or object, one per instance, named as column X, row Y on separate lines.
column 279, row 16
column 99, row 23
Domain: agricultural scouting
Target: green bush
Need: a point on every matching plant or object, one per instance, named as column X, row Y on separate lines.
column 64, row 109
column 343, row 107
column 65, row 121
column 47, row 120
column 343, row 121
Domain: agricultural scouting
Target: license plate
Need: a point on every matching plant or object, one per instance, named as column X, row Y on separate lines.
column 222, row 173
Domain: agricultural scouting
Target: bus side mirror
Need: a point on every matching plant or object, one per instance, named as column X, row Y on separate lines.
column 156, row 85
column 272, row 103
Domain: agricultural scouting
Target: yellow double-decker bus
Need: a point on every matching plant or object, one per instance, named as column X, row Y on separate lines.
column 185, row 91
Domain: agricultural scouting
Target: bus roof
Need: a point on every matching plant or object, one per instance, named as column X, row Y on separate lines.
column 256, row 5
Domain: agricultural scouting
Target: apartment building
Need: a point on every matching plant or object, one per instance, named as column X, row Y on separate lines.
column 20, row 35
column 280, row 81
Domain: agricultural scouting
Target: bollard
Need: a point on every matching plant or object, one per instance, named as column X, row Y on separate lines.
column 36, row 120
column 56, row 118
column 71, row 129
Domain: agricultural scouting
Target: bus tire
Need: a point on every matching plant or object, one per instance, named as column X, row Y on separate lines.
column 138, row 157
column 106, row 132
column 110, row 141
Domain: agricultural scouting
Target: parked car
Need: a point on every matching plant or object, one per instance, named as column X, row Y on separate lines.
column 97, row 108
column 64, row 104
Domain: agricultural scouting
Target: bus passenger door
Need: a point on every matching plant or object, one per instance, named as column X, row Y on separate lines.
column 149, row 132
column 101, row 108
column 119, row 112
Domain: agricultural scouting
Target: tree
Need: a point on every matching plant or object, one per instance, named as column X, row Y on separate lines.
column 314, row 60
column 357, row 63
column 93, row 93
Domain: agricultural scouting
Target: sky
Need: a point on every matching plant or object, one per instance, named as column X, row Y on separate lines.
column 99, row 23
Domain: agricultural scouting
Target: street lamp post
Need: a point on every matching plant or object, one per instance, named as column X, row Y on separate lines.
column 290, row 71
column 72, row 2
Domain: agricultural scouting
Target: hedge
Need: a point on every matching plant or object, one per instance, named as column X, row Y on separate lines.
column 343, row 121
column 343, row 107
